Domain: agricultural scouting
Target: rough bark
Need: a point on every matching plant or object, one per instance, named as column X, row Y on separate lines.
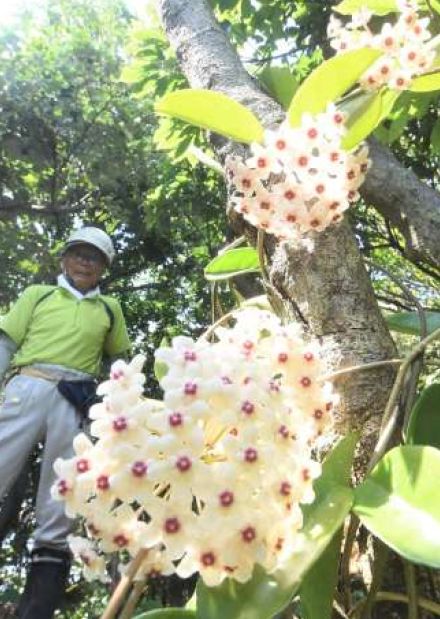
column 410, row 205
column 330, row 286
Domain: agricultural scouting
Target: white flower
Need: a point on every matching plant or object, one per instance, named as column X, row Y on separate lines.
column 212, row 480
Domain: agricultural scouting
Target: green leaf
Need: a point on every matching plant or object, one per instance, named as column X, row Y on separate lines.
column 214, row 111
column 409, row 322
column 264, row 594
column 426, row 83
column 398, row 502
column 168, row 613
column 329, row 81
column 435, row 137
column 424, row 421
column 232, row 263
column 365, row 113
column 318, row 587
column 378, row 7
column 280, row 83
column 161, row 368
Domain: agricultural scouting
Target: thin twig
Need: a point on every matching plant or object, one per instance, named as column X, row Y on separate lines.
column 390, row 596
column 360, row 368
column 261, row 256
column 345, row 560
column 124, row 584
column 381, row 553
column 391, row 410
column 411, row 587
column 133, row 599
column 216, row 324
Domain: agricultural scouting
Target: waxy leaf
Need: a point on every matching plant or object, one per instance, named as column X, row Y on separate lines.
column 426, row 83
column 329, row 81
column 424, row 422
column 363, row 116
column 377, row 7
column 398, row 502
column 409, row 322
column 318, row 588
column 214, row 111
column 280, row 83
column 264, row 594
column 232, row 263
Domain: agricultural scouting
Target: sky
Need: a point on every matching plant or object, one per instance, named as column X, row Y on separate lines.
column 9, row 8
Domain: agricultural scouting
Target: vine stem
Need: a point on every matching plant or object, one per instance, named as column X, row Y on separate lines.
column 390, row 596
column 411, row 587
column 123, row 586
column 391, row 411
column 206, row 334
column 133, row 599
column 261, row 257
column 360, row 368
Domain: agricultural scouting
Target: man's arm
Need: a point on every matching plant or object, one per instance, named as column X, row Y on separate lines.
column 7, row 350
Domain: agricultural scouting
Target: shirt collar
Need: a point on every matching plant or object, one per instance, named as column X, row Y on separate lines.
column 63, row 283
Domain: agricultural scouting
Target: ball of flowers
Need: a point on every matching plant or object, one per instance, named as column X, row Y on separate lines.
column 301, row 179
column 406, row 46
column 210, row 480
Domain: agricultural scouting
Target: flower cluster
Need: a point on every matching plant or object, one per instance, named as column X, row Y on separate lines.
column 301, row 179
column 212, row 478
column 405, row 44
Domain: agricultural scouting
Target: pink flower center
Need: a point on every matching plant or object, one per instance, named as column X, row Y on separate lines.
column 190, row 388
column 389, row 41
column 139, row 468
column 248, row 534
column 63, row 487
column 283, row 357
column 116, row 374
column 318, row 413
column 312, row 133
column 172, row 525
column 262, row 162
column 280, row 144
column 183, row 464
column 285, row 488
column 303, row 161
column 247, row 407
column 306, row 474
column 190, row 355
column 82, row 465
column 283, row 431
column 289, row 194
column 226, row 498
column 305, row 381
column 308, row 356
column 320, row 188
column 338, row 118
column 207, row 559
column 102, row 483
column 120, row 540
column 250, row 455
column 175, row 419
column 120, row 424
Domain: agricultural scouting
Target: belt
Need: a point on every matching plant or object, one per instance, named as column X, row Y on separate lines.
column 28, row 371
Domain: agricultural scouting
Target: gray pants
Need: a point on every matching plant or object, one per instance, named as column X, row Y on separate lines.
column 34, row 411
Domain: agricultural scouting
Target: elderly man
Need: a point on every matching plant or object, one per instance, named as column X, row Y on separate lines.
column 55, row 337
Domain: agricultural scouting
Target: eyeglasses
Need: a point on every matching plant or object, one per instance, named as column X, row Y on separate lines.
column 85, row 255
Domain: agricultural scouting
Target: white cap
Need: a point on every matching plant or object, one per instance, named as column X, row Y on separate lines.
column 93, row 236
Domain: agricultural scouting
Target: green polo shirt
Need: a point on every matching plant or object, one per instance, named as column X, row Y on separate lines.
column 64, row 330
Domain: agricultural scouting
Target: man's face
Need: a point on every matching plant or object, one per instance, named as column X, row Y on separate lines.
column 83, row 265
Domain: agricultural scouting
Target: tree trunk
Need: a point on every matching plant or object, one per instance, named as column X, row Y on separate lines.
column 330, row 286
